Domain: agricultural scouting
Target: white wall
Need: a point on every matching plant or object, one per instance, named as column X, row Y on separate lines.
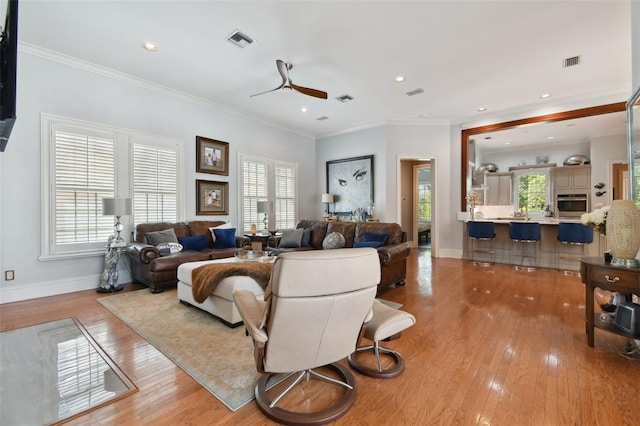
column 61, row 89
column 604, row 150
column 389, row 144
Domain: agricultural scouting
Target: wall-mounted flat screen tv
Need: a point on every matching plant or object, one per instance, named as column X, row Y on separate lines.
column 8, row 67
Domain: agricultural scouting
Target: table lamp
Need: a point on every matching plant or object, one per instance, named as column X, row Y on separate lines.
column 117, row 207
column 327, row 198
column 265, row 207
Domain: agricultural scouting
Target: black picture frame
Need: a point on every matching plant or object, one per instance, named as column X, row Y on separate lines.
column 350, row 181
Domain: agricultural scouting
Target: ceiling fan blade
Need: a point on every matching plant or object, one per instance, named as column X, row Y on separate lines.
column 272, row 90
column 283, row 69
column 308, row 91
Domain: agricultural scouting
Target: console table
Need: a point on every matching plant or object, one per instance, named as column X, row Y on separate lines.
column 596, row 273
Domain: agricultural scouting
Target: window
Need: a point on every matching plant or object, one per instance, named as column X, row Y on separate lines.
column 264, row 179
column 532, row 190
column 82, row 163
column 155, row 179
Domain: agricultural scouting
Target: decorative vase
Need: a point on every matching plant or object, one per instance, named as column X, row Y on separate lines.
column 623, row 233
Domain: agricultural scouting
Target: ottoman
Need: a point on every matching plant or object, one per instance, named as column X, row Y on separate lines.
column 220, row 303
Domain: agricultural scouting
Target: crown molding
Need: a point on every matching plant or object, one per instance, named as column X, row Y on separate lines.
column 112, row 74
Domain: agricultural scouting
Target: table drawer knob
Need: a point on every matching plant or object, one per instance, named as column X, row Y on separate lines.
column 611, row 280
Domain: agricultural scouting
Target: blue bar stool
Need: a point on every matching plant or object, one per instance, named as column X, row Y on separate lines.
column 525, row 235
column 574, row 234
column 479, row 232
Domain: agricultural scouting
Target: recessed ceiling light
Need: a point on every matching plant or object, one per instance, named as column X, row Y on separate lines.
column 481, row 109
column 150, row 46
column 507, row 143
column 399, row 79
column 545, row 95
column 303, row 109
column 550, row 137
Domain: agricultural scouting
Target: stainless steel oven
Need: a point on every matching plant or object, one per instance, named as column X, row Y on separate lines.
column 572, row 205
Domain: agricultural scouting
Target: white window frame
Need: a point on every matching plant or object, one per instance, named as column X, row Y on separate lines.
column 271, row 191
column 547, row 182
column 123, row 170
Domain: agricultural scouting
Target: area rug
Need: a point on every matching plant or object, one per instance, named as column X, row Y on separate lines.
column 216, row 356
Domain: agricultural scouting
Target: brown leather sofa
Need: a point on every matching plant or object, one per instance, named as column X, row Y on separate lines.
column 393, row 255
column 160, row 272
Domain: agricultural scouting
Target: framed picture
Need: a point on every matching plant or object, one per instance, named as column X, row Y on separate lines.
column 212, row 198
column 212, row 156
column 351, row 182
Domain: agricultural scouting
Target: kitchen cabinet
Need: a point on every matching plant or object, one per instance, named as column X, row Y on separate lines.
column 498, row 188
column 571, row 177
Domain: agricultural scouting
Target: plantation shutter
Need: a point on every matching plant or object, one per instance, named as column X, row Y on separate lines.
column 84, row 174
column 285, row 196
column 155, row 177
column 264, row 179
column 255, row 179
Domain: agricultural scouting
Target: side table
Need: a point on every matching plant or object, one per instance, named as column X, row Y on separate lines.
column 109, row 277
column 261, row 238
column 596, row 273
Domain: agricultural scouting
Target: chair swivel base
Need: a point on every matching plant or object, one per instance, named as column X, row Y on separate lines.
column 379, row 372
column 338, row 409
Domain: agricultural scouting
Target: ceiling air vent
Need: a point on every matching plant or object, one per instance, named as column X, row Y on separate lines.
column 345, row 98
column 239, row 39
column 570, row 62
column 324, row 117
column 415, row 92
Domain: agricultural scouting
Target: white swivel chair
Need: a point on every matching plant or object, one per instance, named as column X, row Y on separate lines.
column 312, row 315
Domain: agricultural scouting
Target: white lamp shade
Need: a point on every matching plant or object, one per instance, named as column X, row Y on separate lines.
column 116, row 206
column 327, row 198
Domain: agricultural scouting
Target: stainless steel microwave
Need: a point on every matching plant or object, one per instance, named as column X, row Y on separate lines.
column 572, row 205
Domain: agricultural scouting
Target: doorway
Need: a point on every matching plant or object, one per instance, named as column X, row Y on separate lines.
column 417, row 209
column 620, row 180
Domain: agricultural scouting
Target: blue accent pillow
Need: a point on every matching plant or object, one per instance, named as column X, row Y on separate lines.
column 225, row 238
column 196, row 242
column 306, row 238
column 371, row 237
column 374, row 244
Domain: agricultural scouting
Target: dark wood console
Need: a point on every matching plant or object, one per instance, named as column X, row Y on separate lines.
column 596, row 273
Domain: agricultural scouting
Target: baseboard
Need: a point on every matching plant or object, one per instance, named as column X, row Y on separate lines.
column 451, row 253
column 9, row 294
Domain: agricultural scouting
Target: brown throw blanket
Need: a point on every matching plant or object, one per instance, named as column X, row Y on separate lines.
column 204, row 279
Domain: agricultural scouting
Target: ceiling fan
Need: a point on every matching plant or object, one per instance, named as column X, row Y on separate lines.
column 283, row 69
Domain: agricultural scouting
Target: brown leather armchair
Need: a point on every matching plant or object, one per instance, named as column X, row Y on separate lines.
column 311, row 317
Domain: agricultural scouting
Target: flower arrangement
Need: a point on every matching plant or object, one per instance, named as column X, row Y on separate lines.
column 597, row 219
column 474, row 198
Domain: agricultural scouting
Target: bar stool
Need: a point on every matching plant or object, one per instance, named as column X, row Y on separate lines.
column 525, row 235
column 479, row 232
column 574, row 234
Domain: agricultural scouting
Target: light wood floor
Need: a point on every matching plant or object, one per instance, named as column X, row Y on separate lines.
column 490, row 346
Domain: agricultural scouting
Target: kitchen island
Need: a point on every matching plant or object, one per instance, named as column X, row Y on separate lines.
column 548, row 249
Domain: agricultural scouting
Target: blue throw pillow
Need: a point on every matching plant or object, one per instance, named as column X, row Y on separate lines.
column 374, row 244
column 196, row 242
column 225, row 238
column 371, row 237
column 306, row 238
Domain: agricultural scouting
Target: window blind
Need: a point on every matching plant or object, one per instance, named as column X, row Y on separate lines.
column 84, row 174
column 155, row 177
